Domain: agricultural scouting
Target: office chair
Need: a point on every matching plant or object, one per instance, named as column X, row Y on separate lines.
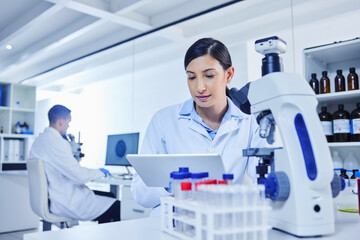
column 39, row 200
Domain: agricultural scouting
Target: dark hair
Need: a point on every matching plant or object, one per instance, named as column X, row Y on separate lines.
column 210, row 46
column 214, row 48
column 58, row 112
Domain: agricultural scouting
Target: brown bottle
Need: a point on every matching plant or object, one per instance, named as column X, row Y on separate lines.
column 339, row 81
column 314, row 83
column 353, row 80
column 353, row 175
column 324, row 83
column 326, row 122
column 341, row 125
column 343, row 173
column 355, row 124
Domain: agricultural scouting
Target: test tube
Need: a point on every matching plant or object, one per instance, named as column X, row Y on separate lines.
column 177, row 178
column 196, row 178
column 357, row 175
column 228, row 177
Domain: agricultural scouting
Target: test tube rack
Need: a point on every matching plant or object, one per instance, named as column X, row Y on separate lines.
column 194, row 220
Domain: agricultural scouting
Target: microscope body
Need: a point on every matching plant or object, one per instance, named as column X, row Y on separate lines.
column 305, row 156
column 76, row 147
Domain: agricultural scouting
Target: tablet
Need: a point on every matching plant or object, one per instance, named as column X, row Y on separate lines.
column 155, row 169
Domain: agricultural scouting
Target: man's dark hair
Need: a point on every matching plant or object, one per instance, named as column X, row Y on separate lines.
column 58, row 112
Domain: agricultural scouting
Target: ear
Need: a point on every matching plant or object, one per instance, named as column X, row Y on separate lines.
column 229, row 74
column 61, row 122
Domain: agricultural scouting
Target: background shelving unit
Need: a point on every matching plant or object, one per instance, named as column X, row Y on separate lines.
column 17, row 104
column 330, row 57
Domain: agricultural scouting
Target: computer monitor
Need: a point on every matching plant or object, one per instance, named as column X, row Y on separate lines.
column 118, row 146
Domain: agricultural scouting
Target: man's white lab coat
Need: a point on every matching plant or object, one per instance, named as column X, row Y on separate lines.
column 68, row 195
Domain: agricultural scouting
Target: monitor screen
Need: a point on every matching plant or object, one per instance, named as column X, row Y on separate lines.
column 118, row 146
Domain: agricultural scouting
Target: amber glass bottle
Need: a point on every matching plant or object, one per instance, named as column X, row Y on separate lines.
column 326, row 122
column 314, row 83
column 341, row 124
column 324, row 83
column 355, row 124
column 353, row 80
column 339, row 81
column 343, row 174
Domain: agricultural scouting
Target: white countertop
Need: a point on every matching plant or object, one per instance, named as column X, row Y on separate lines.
column 149, row 228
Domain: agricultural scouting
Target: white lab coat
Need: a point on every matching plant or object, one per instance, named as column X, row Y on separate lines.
column 173, row 130
column 68, row 195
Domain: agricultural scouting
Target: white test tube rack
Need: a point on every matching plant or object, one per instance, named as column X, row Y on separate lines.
column 194, row 220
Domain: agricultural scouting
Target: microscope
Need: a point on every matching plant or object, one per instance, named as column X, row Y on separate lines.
column 301, row 183
column 76, row 147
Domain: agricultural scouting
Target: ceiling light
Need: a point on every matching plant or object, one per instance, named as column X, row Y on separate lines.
column 8, row 46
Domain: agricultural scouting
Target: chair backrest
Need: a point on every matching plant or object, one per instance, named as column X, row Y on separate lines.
column 38, row 187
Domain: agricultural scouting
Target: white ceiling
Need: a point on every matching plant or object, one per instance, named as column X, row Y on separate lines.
column 58, row 43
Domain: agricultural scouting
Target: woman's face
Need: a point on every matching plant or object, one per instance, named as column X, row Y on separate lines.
column 207, row 81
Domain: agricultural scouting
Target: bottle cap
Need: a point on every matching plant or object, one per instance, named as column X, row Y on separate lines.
column 185, row 186
column 211, row 181
column 183, row 169
column 199, row 175
column 179, row 175
column 357, row 174
column 339, row 71
column 313, row 75
column 324, row 73
column 352, row 69
column 222, row 182
column 228, row 176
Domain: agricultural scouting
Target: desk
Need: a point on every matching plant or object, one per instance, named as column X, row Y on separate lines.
column 121, row 188
column 15, row 209
column 149, row 228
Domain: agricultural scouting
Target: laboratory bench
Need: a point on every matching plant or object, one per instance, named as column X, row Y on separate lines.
column 149, row 228
column 120, row 186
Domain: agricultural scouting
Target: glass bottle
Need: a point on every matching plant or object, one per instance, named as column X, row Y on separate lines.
column 324, row 83
column 326, row 122
column 343, row 174
column 355, row 124
column 353, row 80
column 339, row 81
column 341, row 124
column 314, row 83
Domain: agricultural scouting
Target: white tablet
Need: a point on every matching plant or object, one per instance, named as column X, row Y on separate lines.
column 155, row 169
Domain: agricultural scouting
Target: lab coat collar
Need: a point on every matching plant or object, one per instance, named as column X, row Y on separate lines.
column 53, row 131
column 188, row 106
column 229, row 123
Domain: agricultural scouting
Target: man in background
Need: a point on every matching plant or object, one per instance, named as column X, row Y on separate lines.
column 68, row 194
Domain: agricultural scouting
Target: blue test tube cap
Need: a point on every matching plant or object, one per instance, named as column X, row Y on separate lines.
column 357, row 174
column 171, row 174
column 180, row 175
column 183, row 169
column 337, row 169
column 199, row 175
column 228, row 176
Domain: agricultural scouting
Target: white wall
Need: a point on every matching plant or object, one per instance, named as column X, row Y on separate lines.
column 126, row 103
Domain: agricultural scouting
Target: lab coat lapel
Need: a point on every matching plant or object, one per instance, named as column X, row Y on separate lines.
column 229, row 126
column 199, row 129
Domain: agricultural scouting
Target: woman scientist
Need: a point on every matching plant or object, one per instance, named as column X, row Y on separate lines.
column 209, row 122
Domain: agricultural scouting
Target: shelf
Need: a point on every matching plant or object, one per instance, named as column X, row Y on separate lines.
column 13, row 135
column 337, row 97
column 18, row 109
column 334, row 52
column 344, row 144
column 2, row 108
